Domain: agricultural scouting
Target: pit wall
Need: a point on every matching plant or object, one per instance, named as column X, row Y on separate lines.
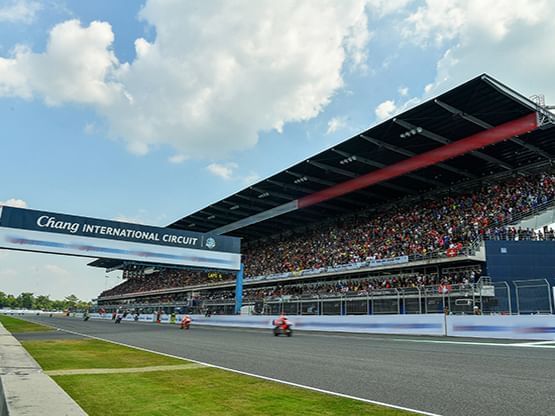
column 529, row 327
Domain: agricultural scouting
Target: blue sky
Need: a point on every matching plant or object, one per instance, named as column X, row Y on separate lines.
column 147, row 111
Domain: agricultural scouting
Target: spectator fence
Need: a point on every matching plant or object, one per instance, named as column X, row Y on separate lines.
column 491, row 298
column 530, row 297
column 533, row 296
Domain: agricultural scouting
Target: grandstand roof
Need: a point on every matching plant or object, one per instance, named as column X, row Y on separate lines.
column 333, row 182
column 472, row 107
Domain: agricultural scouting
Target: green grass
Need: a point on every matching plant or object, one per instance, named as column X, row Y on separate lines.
column 15, row 325
column 198, row 391
column 205, row 391
column 91, row 353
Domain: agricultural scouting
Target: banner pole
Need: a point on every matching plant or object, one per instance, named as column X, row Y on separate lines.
column 239, row 290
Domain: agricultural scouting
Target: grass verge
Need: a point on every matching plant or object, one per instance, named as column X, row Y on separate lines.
column 15, row 325
column 204, row 391
column 193, row 391
column 91, row 353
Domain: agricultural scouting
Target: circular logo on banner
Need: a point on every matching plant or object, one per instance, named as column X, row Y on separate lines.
column 210, row 243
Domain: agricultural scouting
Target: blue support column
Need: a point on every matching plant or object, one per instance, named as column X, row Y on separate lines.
column 239, row 290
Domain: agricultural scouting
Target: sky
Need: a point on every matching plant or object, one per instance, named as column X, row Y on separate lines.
column 148, row 111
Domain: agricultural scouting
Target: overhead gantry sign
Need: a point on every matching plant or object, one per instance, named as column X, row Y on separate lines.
column 48, row 232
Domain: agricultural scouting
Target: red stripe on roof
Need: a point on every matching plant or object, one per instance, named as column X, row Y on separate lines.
column 482, row 139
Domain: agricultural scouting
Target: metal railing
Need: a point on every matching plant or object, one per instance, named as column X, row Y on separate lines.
column 520, row 297
column 457, row 299
column 533, row 296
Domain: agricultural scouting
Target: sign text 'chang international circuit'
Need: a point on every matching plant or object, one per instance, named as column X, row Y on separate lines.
column 48, row 232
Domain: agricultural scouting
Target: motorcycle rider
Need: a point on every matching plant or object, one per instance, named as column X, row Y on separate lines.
column 281, row 322
column 186, row 322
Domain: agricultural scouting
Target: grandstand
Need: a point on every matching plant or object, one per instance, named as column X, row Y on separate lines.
column 391, row 220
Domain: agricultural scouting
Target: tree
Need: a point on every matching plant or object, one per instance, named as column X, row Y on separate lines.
column 43, row 302
column 58, row 305
column 71, row 301
column 25, row 300
column 11, row 301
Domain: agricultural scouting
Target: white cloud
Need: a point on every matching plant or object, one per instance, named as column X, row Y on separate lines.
column 385, row 110
column 336, row 123
column 227, row 171
column 77, row 66
column 381, row 8
column 177, row 159
column 223, row 170
column 509, row 39
column 204, row 92
column 14, row 202
column 19, row 11
column 403, row 91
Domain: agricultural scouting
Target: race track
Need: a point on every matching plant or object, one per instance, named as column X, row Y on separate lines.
column 447, row 376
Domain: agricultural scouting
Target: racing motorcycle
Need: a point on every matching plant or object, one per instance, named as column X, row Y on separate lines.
column 284, row 329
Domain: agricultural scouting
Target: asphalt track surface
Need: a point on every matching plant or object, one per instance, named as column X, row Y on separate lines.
column 446, row 378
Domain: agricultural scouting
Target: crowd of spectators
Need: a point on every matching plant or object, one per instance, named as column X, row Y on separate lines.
column 165, row 279
column 344, row 287
column 444, row 224
column 352, row 287
column 430, row 226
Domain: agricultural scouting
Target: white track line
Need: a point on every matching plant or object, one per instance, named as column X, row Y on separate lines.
column 489, row 344
column 538, row 344
column 288, row 383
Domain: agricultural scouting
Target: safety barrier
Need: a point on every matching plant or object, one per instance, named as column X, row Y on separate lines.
column 532, row 327
column 540, row 327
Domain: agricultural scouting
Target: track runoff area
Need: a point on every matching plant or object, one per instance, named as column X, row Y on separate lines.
column 425, row 375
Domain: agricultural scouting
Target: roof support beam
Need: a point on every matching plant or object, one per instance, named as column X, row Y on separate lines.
column 440, row 139
column 408, row 153
column 255, row 200
column 268, row 203
column 306, row 213
column 273, row 193
column 308, row 192
column 330, row 183
column 232, row 214
column 237, row 207
column 485, row 125
column 382, row 165
column 204, row 221
column 353, row 175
